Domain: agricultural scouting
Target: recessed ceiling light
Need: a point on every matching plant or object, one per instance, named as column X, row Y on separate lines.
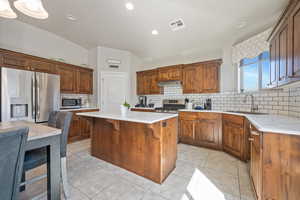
column 154, row 32
column 241, row 25
column 129, row 6
column 71, row 17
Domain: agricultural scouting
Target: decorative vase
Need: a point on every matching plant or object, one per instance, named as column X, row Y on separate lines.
column 124, row 110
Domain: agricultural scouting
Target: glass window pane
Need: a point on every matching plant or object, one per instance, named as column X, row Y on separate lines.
column 250, row 77
column 265, row 77
column 265, row 55
column 247, row 61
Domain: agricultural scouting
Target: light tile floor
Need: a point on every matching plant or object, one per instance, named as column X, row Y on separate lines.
column 200, row 174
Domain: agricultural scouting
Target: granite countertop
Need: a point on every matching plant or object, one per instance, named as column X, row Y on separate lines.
column 265, row 122
column 78, row 109
column 36, row 131
column 140, row 117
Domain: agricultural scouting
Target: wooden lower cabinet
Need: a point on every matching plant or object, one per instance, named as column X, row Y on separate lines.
column 149, row 150
column 81, row 127
column 274, row 165
column 142, row 110
column 200, row 129
column 235, row 138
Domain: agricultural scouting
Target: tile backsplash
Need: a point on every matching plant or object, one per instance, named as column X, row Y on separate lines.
column 284, row 101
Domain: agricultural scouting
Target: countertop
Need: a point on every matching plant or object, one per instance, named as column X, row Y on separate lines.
column 266, row 123
column 140, row 117
column 78, row 109
column 36, row 131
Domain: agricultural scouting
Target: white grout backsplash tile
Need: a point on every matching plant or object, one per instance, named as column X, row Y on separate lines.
column 278, row 101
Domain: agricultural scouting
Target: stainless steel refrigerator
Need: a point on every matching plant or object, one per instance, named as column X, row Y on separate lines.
column 27, row 95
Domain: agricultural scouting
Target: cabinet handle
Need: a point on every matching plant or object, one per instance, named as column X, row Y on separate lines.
column 255, row 133
column 251, row 139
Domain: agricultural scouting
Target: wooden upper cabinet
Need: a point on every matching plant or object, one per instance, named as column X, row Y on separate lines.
column 283, row 55
column 211, row 81
column 192, row 78
column 170, row 73
column 13, row 60
column 42, row 66
column 85, row 81
column 294, row 43
column 273, row 63
column 147, row 82
column 68, row 79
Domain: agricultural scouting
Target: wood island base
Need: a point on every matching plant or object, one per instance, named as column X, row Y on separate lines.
column 149, row 150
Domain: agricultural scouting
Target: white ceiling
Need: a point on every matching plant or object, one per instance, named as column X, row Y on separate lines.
column 209, row 23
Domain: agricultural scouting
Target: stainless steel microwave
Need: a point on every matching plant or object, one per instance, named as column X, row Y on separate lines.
column 67, row 103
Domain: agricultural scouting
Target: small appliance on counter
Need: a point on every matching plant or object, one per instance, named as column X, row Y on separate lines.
column 208, row 104
column 142, row 102
column 188, row 104
column 71, row 103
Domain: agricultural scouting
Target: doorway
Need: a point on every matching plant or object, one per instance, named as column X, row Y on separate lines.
column 114, row 90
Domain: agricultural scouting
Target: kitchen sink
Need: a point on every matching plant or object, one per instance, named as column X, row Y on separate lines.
column 245, row 112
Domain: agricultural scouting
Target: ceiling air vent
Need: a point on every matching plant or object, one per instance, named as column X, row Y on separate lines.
column 177, row 24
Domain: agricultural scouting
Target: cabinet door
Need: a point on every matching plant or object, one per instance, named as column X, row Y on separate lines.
column 274, row 62
column 75, row 129
column 207, row 133
column 13, row 61
column 153, row 76
column 192, row 79
column 256, row 164
column 294, row 69
column 68, row 77
column 139, row 83
column 232, row 138
column 187, row 131
column 85, row 81
column 86, row 127
column 211, row 78
column 283, row 55
column 42, row 66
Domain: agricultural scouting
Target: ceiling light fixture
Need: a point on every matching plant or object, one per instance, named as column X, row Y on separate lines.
column 6, row 11
column 154, row 32
column 129, row 6
column 32, row 8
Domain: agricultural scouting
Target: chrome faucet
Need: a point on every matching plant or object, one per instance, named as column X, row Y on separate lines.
column 253, row 107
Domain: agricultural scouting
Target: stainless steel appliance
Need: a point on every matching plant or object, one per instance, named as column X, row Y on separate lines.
column 27, row 95
column 171, row 106
column 71, row 103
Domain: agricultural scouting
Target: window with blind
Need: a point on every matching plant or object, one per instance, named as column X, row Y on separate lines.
column 255, row 72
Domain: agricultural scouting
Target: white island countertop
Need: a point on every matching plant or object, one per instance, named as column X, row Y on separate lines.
column 266, row 122
column 140, row 117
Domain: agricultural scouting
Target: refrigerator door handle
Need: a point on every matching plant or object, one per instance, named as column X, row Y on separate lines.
column 38, row 98
column 33, row 102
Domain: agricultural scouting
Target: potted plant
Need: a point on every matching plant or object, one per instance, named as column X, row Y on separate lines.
column 124, row 108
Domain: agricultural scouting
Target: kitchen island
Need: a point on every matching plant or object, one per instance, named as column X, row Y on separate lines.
column 143, row 143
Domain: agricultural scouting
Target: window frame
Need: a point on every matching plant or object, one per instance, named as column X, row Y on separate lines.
column 260, row 61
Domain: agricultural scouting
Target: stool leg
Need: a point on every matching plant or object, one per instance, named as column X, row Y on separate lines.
column 64, row 177
column 23, row 179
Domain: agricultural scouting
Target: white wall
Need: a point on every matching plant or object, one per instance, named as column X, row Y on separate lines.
column 21, row 37
column 129, row 64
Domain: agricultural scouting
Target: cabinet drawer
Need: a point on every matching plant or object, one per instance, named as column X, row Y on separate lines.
column 208, row 116
column 234, row 119
column 188, row 115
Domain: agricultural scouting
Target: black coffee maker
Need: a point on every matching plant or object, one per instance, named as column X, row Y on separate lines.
column 142, row 102
column 207, row 104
